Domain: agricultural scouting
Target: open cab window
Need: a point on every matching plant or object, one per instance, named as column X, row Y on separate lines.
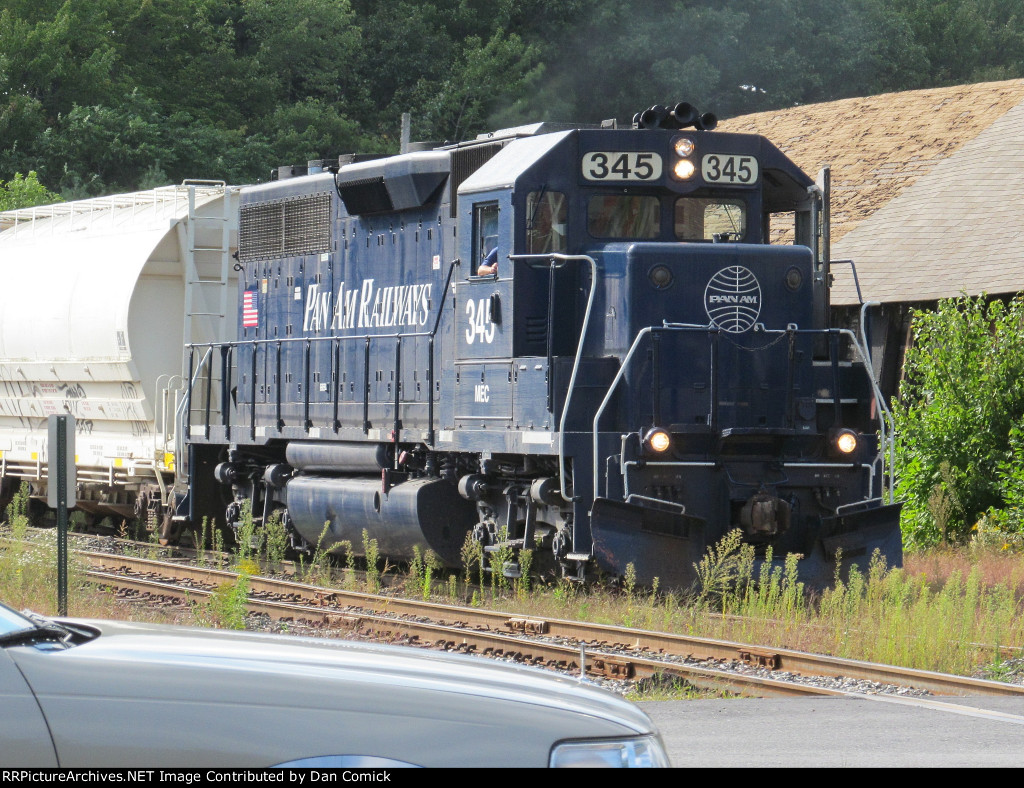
column 709, row 219
column 485, row 236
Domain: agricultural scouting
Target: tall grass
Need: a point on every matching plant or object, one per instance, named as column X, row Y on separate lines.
column 877, row 613
column 952, row 611
column 957, row 623
column 28, row 574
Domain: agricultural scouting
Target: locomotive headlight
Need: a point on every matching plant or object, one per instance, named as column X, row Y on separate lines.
column 611, row 753
column 657, row 440
column 845, row 441
column 683, row 169
column 683, row 146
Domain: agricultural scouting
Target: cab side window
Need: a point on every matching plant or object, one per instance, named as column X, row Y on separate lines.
column 485, row 236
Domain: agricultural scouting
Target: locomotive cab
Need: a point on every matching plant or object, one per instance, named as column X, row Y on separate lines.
column 702, row 318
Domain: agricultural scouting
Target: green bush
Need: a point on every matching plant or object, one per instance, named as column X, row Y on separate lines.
column 25, row 191
column 959, row 420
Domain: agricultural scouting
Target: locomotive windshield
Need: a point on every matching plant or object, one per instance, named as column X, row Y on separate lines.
column 624, row 216
column 703, row 218
column 546, row 227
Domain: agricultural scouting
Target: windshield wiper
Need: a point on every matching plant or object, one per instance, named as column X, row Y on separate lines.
column 49, row 633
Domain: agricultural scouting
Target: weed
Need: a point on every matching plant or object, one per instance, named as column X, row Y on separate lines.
column 17, row 512
column 471, row 554
column 629, row 587
column 629, row 581
column 275, row 541
column 416, row 568
column 78, row 521
column 372, row 553
column 719, row 569
column 199, row 539
column 564, row 593
column 28, row 570
column 248, row 537
column 497, row 558
column 318, row 573
column 651, row 604
column 248, row 567
column 663, row 686
column 226, row 606
column 216, row 540
column 431, row 564
column 521, row 587
column 348, row 577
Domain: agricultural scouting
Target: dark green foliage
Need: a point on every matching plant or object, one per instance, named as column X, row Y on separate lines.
column 101, row 96
column 959, row 421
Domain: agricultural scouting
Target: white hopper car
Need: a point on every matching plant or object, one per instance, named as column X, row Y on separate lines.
column 97, row 299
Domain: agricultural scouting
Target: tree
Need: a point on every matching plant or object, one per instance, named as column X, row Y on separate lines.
column 959, row 416
column 25, row 191
column 106, row 95
column 485, row 74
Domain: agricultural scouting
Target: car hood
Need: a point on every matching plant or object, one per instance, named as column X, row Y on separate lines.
column 146, row 672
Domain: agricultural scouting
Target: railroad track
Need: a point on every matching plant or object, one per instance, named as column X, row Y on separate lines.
column 577, row 647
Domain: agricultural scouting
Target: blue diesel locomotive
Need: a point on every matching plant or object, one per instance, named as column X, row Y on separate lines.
column 607, row 345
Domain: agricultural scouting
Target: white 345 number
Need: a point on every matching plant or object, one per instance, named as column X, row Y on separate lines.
column 480, row 325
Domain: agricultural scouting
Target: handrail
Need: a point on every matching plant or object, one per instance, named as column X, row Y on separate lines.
column 226, row 349
column 889, row 444
column 622, row 372
column 567, row 258
column 883, row 416
column 165, row 388
column 856, row 281
column 183, row 413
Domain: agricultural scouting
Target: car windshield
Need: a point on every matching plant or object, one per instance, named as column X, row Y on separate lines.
column 11, row 621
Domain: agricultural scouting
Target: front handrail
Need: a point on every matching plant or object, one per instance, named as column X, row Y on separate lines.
column 890, row 446
column 883, row 415
column 622, row 373
column 183, row 413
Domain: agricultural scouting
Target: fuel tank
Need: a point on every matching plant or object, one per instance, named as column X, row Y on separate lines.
column 424, row 513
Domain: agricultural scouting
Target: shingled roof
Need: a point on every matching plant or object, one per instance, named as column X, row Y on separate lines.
column 927, row 187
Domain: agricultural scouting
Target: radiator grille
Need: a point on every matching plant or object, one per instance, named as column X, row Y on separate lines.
column 466, row 161
column 285, row 228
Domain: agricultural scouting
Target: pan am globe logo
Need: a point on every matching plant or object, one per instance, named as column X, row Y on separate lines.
column 732, row 299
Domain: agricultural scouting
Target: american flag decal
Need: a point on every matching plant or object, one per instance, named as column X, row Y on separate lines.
column 250, row 310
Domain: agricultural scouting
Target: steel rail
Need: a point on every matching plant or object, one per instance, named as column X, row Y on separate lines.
column 636, row 643
column 484, row 643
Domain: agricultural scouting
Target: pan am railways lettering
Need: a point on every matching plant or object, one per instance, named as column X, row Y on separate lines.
column 366, row 307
